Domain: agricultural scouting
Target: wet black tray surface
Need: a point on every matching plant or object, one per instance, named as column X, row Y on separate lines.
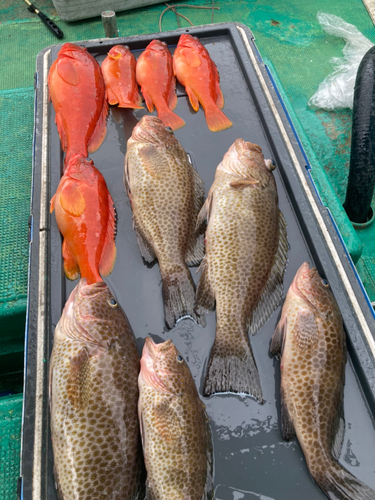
column 251, row 459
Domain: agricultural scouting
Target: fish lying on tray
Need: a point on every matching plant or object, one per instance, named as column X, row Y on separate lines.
column 86, row 217
column 77, row 90
column 196, row 71
column 176, row 436
column 118, row 70
column 311, row 339
column 243, row 269
column 166, row 195
column 158, row 84
column 94, row 369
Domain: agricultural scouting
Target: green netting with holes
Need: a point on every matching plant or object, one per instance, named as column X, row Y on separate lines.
column 16, row 126
column 10, row 444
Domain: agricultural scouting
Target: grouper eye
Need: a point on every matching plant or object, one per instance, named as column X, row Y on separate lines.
column 168, row 129
column 325, row 283
column 113, row 303
column 179, row 358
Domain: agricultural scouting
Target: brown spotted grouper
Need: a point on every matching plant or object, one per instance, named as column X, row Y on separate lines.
column 166, row 195
column 246, row 248
column 175, row 431
column 311, row 337
column 93, row 398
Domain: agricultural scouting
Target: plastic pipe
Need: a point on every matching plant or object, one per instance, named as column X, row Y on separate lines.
column 361, row 179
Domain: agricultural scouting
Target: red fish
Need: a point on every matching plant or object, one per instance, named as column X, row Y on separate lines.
column 158, row 84
column 118, row 70
column 196, row 71
column 77, row 91
column 85, row 216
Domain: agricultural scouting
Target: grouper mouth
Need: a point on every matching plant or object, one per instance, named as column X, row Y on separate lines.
column 151, row 352
column 304, row 272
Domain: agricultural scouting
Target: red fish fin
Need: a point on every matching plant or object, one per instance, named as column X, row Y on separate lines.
column 220, row 98
column 70, row 264
column 190, row 58
column 100, row 130
column 172, row 102
column 148, row 100
column 219, row 94
column 170, row 119
column 192, row 98
column 71, row 199
column 151, row 59
column 61, row 131
column 52, row 204
column 112, row 99
column 134, row 101
column 66, row 69
column 109, row 249
column 216, row 120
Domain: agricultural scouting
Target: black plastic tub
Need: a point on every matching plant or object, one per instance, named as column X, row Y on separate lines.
column 251, row 459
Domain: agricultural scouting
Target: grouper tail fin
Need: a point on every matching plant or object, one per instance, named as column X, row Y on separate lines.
column 339, row 484
column 232, row 368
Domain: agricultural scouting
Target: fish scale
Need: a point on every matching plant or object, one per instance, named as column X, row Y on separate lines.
column 242, row 272
column 166, row 194
column 93, row 398
column 311, row 337
column 176, row 436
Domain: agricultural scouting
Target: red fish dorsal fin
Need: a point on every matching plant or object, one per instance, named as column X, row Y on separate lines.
column 101, row 128
column 67, row 70
column 190, row 58
column 219, row 94
column 71, row 199
column 108, row 258
column 151, row 58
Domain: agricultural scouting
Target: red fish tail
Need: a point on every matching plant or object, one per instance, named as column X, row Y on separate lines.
column 170, row 119
column 216, row 120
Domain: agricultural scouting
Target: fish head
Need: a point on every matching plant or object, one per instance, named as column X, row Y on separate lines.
column 151, row 130
column 189, row 42
column 157, row 46
column 245, row 160
column 95, row 308
column 72, row 50
column 312, row 289
column 163, row 368
column 78, row 166
column 119, row 51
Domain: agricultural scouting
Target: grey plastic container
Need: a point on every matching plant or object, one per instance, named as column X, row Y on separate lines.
column 251, row 459
column 73, row 10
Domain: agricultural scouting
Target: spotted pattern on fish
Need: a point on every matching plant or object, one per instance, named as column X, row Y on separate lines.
column 175, row 431
column 243, row 269
column 93, row 397
column 166, row 194
column 311, row 337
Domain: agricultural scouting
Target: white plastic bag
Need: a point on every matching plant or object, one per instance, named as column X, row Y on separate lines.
column 337, row 90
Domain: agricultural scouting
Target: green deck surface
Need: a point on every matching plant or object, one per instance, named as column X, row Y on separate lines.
column 297, row 52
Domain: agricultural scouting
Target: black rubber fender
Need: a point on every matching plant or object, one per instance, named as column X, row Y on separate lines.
column 361, row 179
